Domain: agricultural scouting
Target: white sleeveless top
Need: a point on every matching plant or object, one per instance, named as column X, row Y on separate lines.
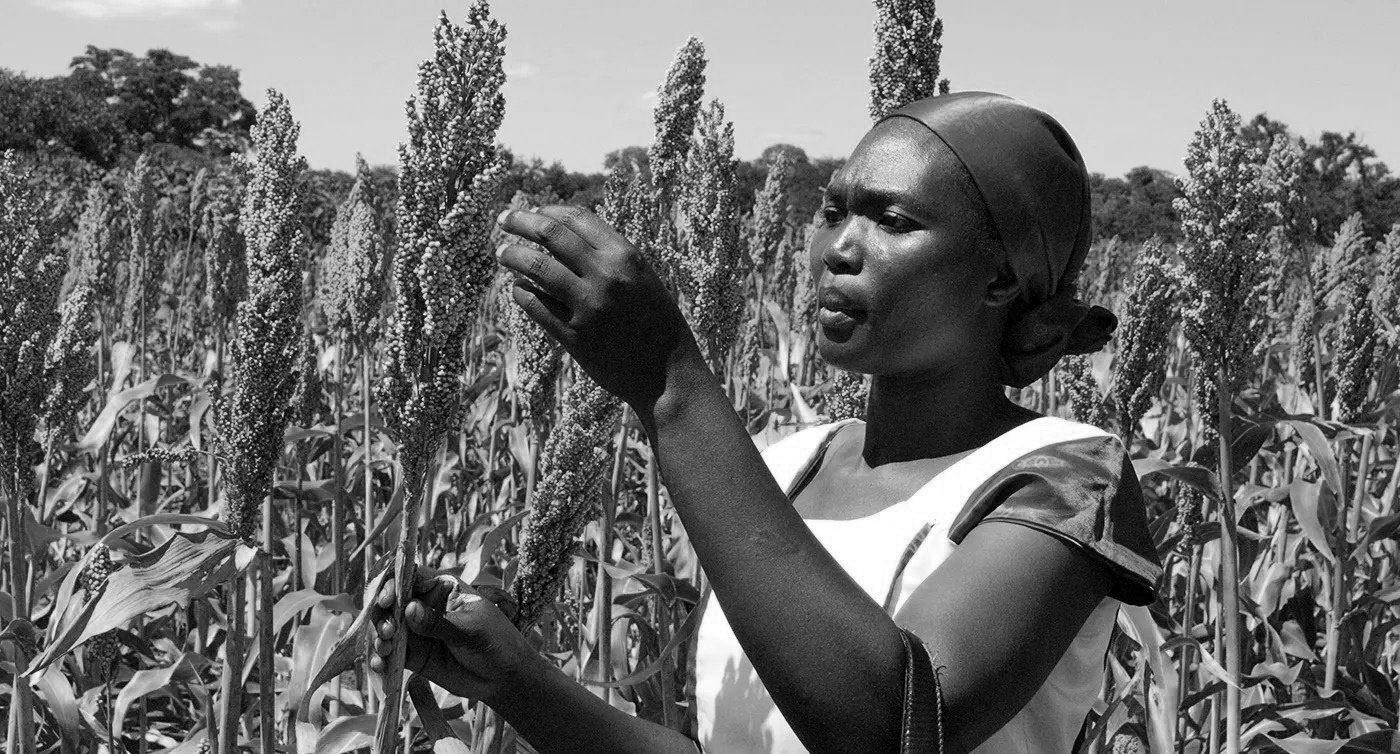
column 735, row 714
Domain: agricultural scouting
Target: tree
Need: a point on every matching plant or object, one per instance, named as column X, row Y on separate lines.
column 1135, row 207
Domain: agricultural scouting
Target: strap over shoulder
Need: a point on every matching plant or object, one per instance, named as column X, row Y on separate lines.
column 1085, row 493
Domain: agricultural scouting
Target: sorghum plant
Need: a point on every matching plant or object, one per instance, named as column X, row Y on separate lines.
column 31, row 272
column 1224, row 221
column 448, row 173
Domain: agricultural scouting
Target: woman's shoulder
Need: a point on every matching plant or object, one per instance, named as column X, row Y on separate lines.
column 1076, row 482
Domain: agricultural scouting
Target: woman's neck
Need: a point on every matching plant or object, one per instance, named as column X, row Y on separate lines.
column 931, row 415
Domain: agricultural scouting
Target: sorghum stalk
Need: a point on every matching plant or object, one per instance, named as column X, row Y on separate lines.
column 252, row 411
column 908, row 46
column 225, row 278
column 1224, row 216
column 31, row 273
column 449, row 171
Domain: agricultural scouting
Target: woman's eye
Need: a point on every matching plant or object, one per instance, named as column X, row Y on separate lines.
column 897, row 223
column 830, row 215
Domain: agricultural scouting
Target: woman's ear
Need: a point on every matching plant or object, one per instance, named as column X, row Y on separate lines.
column 1005, row 288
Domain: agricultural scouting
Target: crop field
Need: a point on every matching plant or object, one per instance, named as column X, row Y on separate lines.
column 237, row 394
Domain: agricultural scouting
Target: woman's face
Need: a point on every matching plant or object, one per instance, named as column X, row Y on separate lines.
column 906, row 283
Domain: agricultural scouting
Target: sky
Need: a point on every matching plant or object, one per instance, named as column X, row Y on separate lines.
column 1129, row 79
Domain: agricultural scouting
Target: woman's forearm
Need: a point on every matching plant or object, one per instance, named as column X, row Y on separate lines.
column 828, row 654
column 554, row 713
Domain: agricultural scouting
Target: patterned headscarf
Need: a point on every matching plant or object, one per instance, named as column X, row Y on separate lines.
column 1034, row 185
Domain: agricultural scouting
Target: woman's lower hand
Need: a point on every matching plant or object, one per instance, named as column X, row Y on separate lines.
column 592, row 290
column 458, row 638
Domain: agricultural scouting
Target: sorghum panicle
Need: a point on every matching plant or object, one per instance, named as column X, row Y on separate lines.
column 144, row 265
column 1359, row 337
column 352, row 284
column 677, row 107
column 68, row 364
column 908, row 46
column 225, row 270
column 308, row 397
column 770, row 213
column 1224, row 221
column 31, row 272
column 571, row 467
column 846, row 396
column 710, row 265
column 535, row 357
column 253, row 415
column 1086, row 404
column 1388, row 291
column 97, row 242
column 1143, row 338
column 101, row 650
column 443, row 262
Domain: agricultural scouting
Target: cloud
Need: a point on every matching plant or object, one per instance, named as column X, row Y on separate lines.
column 518, row 71
column 212, row 13
column 651, row 95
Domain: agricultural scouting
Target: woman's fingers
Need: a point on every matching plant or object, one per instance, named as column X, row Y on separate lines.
column 585, row 225
column 558, row 238
column 542, row 269
column 552, row 315
column 387, row 595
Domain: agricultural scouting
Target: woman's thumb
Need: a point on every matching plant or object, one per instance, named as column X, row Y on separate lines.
column 452, row 628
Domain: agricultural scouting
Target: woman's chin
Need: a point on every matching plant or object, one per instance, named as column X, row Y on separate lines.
column 843, row 351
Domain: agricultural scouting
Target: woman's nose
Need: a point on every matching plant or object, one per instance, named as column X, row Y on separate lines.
column 846, row 252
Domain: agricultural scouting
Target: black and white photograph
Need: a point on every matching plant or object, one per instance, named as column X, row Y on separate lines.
column 681, row 377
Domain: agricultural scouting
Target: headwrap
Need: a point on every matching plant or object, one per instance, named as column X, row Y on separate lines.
column 1034, row 185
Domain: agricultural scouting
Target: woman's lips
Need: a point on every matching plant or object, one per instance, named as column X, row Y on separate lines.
column 838, row 311
column 839, row 319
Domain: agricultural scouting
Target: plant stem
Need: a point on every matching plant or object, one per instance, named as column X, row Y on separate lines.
column 267, row 679
column 417, row 473
column 232, row 682
column 1229, row 568
column 663, row 612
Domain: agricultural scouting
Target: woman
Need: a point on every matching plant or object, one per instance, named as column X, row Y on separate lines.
column 950, row 529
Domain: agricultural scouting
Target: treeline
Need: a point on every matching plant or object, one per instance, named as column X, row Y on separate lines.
column 113, row 105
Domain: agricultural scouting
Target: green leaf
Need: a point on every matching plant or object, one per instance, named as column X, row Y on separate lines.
column 351, row 645
column 1321, row 452
column 1305, row 497
column 166, row 519
column 1195, row 475
column 185, row 567
column 102, row 426
column 143, row 683
column 1378, row 742
column 346, row 734
column 56, row 691
column 311, row 647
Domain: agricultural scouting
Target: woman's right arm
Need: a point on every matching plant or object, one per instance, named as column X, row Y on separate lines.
column 476, row 653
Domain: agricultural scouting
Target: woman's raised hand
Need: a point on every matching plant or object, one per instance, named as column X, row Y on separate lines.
column 460, row 640
column 592, row 291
